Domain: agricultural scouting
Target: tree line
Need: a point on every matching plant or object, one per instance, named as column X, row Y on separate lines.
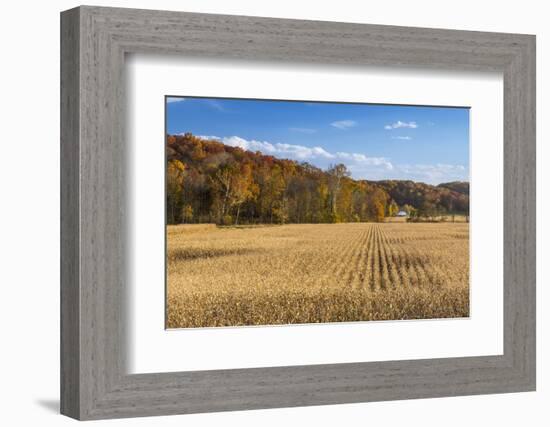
column 209, row 182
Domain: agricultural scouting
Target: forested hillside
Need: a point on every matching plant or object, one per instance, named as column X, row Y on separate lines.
column 208, row 181
column 429, row 200
column 458, row 186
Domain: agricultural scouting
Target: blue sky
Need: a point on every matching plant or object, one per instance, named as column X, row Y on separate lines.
column 427, row 144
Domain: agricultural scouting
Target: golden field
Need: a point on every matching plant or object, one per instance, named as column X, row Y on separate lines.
column 312, row 273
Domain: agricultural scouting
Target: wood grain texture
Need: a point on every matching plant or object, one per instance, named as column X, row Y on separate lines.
column 95, row 383
column 70, row 297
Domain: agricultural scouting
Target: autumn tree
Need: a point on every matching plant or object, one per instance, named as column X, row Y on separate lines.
column 377, row 204
column 223, row 181
column 187, row 214
column 270, row 190
column 408, row 209
column 276, row 196
column 428, row 210
column 175, row 172
column 335, row 176
column 378, row 211
column 244, row 189
column 207, row 181
column 393, row 209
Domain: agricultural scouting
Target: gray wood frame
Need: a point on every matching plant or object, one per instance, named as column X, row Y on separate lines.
column 94, row 382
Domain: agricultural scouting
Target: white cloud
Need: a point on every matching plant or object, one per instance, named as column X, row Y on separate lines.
column 434, row 174
column 296, row 152
column 171, row 100
column 343, row 124
column 406, row 138
column 399, row 124
column 363, row 160
column 308, row 131
column 321, row 156
column 430, row 174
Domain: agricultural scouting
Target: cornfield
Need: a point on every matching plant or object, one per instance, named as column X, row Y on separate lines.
column 313, row 273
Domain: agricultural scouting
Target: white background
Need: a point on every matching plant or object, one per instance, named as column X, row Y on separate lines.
column 153, row 349
column 29, row 242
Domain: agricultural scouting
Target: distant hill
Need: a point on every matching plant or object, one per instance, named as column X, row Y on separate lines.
column 208, row 181
column 450, row 197
column 458, row 186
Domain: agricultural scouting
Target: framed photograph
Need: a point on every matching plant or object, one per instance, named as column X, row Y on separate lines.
column 261, row 213
column 300, row 232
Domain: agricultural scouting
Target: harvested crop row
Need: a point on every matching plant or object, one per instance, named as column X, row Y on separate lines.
column 311, row 273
